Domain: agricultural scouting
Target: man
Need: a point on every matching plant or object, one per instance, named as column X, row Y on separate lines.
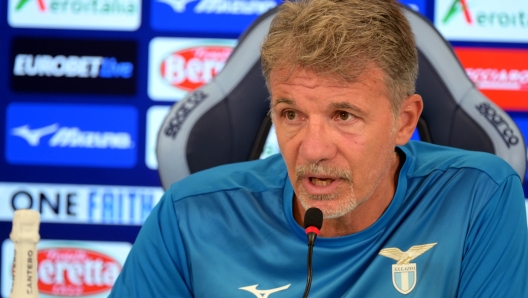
column 399, row 218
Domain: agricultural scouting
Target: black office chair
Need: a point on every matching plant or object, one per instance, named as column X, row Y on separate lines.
column 226, row 120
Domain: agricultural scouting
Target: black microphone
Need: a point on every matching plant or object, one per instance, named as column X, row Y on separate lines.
column 313, row 221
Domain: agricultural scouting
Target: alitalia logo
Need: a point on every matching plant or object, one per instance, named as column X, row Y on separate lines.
column 22, row 3
column 456, row 7
column 87, row 7
column 487, row 14
column 75, row 14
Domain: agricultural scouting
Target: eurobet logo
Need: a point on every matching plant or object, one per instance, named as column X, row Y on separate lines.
column 226, row 17
column 71, row 268
column 122, row 15
column 73, row 66
column 502, row 75
column 71, row 135
column 482, row 20
column 180, row 65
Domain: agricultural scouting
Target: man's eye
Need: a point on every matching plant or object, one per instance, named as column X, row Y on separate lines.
column 344, row 116
column 290, row 115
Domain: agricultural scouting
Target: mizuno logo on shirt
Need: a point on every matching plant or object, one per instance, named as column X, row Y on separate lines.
column 263, row 293
column 404, row 272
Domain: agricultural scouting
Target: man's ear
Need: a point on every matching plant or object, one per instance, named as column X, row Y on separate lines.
column 408, row 117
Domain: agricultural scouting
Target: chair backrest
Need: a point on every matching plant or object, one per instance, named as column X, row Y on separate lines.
column 226, row 120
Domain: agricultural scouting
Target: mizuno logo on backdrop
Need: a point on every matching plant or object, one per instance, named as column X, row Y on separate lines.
column 32, row 136
column 177, row 5
column 234, row 7
column 73, row 137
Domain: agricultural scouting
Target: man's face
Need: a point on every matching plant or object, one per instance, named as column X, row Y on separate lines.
column 337, row 139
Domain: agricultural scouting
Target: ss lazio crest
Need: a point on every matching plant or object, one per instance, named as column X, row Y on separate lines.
column 404, row 274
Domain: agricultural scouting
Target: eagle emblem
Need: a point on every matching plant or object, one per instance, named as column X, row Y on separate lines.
column 404, row 273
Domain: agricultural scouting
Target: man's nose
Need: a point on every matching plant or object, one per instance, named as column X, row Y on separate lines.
column 317, row 144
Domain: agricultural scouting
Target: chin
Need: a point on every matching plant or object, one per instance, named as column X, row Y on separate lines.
column 330, row 208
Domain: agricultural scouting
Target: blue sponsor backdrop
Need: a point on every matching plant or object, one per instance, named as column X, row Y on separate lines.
column 71, row 135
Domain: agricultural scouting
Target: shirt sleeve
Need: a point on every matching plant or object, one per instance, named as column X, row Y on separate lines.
column 496, row 249
column 157, row 263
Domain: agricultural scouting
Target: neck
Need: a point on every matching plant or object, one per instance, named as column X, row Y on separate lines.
column 365, row 214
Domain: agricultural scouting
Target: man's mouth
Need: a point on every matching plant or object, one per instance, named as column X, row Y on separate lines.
column 321, row 181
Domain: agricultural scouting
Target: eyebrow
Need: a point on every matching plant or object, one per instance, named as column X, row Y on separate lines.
column 343, row 105
column 283, row 100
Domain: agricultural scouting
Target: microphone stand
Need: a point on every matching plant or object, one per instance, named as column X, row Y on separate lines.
column 313, row 221
column 311, row 242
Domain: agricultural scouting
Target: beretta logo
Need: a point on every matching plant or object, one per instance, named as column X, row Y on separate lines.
column 71, row 135
column 70, row 268
column 76, row 14
column 482, row 20
column 73, row 66
column 229, row 17
column 180, row 65
column 191, row 68
column 68, row 272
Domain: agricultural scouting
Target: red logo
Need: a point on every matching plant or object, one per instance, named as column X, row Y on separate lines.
column 191, row 68
column 502, row 75
column 75, row 272
column 456, row 7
